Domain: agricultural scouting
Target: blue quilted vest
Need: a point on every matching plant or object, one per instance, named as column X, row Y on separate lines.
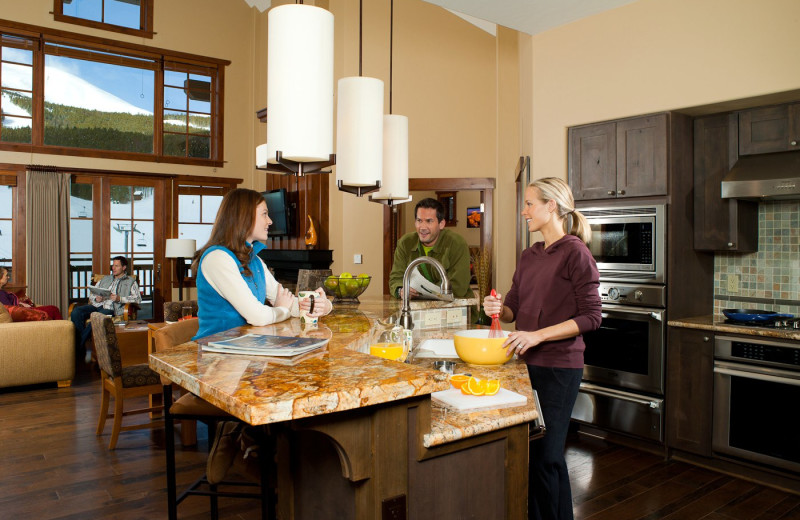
column 215, row 313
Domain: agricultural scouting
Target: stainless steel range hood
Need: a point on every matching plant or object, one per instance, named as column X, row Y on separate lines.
column 769, row 176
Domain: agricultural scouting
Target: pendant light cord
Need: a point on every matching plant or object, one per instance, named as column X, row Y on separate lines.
column 360, row 31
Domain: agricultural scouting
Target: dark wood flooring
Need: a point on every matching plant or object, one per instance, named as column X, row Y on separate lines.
column 52, row 466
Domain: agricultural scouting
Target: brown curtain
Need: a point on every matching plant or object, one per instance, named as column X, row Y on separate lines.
column 47, row 236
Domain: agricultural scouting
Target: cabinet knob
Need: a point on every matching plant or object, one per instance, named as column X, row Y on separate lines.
column 793, row 143
column 730, row 244
column 706, row 339
column 610, row 192
column 621, row 192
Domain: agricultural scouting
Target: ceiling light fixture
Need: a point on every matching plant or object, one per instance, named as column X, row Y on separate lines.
column 394, row 181
column 299, row 91
column 359, row 129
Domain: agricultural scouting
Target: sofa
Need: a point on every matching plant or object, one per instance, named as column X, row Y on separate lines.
column 34, row 352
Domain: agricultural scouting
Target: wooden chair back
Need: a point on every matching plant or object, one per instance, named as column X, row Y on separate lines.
column 105, row 344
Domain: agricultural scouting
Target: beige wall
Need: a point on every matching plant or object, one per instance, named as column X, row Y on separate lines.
column 444, row 80
column 651, row 56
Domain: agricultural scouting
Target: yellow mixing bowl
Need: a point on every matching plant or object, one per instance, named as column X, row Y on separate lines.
column 475, row 347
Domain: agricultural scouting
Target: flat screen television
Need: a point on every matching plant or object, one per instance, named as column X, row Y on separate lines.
column 279, row 210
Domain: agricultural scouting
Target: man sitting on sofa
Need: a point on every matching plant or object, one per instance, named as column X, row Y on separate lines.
column 124, row 289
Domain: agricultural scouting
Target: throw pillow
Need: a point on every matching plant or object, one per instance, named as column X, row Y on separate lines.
column 5, row 317
column 20, row 313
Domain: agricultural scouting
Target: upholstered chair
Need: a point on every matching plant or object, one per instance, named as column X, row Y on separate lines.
column 120, row 382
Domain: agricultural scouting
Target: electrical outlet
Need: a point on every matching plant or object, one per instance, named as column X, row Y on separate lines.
column 432, row 318
column 356, row 259
column 733, row 283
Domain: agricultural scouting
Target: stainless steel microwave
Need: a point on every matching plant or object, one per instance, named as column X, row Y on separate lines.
column 628, row 242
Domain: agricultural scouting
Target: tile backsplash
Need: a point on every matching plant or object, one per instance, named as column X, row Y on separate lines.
column 768, row 279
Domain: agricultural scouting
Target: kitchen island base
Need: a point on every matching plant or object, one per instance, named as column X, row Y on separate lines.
column 370, row 463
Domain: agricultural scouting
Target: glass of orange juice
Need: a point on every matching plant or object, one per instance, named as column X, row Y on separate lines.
column 390, row 345
column 393, row 351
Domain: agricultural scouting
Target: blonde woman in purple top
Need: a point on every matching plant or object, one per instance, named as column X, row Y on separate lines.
column 554, row 299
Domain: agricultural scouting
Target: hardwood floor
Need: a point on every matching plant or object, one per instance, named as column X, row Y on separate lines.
column 611, row 482
column 52, row 466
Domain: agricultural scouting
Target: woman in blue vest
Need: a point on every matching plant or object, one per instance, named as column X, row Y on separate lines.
column 233, row 283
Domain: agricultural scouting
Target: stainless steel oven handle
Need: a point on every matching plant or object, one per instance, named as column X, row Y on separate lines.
column 656, row 315
column 756, row 375
column 622, row 396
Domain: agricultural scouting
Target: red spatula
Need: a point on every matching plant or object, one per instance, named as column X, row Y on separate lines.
column 495, row 331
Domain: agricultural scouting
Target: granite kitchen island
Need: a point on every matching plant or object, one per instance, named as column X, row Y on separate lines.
column 358, row 436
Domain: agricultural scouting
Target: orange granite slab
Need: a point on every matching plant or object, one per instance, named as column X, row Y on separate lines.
column 342, row 377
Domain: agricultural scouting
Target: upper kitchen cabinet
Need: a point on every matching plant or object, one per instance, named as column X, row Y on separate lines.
column 617, row 159
column 769, row 129
column 720, row 224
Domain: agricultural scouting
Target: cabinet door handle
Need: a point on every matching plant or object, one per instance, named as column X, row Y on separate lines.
column 706, row 339
column 621, row 192
column 730, row 244
column 793, row 143
column 610, row 192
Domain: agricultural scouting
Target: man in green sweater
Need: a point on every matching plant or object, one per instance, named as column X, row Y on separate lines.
column 432, row 239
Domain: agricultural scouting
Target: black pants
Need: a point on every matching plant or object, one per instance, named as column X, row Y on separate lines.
column 82, row 330
column 549, row 492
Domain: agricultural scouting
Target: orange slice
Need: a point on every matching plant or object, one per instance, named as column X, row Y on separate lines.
column 476, row 387
column 492, row 387
column 458, row 380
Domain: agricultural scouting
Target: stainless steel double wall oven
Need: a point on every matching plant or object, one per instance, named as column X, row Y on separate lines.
column 623, row 378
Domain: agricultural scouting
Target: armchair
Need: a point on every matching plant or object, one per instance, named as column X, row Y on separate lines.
column 130, row 310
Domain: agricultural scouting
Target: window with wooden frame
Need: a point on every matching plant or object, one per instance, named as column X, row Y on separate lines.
column 83, row 96
column 134, row 17
column 197, row 202
column 8, row 201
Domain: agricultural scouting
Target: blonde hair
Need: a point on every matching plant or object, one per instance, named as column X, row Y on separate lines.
column 555, row 189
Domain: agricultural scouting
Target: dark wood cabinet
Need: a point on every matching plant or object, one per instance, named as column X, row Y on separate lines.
column 690, row 390
column 626, row 158
column 593, row 161
column 720, row 224
column 769, row 129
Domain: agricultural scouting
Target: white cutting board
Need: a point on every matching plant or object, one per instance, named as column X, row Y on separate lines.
column 455, row 400
column 437, row 348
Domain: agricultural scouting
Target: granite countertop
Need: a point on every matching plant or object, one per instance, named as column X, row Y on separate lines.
column 342, row 377
column 717, row 324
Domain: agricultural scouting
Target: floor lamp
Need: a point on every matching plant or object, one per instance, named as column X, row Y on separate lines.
column 180, row 249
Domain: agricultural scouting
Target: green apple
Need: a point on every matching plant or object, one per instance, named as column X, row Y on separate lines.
column 331, row 283
column 364, row 279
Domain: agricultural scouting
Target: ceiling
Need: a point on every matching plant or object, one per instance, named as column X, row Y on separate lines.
column 528, row 16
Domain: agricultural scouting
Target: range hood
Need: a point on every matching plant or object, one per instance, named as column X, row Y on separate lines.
column 769, row 176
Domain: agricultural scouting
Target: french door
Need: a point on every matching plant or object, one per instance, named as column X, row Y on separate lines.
column 119, row 216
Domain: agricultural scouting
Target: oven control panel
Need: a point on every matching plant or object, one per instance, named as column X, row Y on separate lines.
column 783, row 354
column 632, row 294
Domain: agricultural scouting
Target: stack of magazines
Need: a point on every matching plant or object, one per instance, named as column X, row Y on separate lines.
column 265, row 345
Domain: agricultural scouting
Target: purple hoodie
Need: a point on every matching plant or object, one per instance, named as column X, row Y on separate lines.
column 551, row 286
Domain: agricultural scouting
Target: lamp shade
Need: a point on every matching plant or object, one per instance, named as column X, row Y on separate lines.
column 180, row 247
column 394, row 183
column 359, row 131
column 300, row 83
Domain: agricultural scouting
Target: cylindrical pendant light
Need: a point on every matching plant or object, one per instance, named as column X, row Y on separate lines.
column 394, row 182
column 300, row 84
column 359, row 134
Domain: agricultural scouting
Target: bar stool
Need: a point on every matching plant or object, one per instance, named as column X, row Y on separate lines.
column 189, row 407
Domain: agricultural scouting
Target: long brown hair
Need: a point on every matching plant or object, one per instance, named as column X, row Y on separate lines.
column 235, row 219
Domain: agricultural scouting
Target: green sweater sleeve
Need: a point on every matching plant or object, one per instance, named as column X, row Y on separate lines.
column 403, row 254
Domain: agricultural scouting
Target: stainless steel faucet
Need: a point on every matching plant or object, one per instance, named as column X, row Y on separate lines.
column 405, row 314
